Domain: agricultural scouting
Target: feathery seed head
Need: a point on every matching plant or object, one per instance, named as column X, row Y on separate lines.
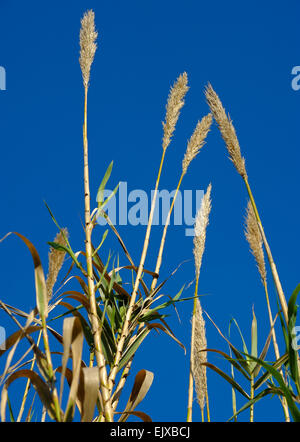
column 174, row 105
column 254, row 239
column 88, row 36
column 56, row 259
column 196, row 141
column 200, row 357
column 227, row 130
column 201, row 223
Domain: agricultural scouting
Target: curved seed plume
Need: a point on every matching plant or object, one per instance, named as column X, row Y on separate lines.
column 254, row 239
column 56, row 259
column 201, row 223
column 196, row 141
column 88, row 36
column 174, row 105
column 200, row 356
column 227, row 130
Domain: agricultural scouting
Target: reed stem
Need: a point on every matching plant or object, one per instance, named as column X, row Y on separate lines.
column 93, row 306
column 163, row 239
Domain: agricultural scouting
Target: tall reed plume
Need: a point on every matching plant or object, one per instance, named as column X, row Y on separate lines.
column 88, row 46
column 227, row 130
column 174, row 105
column 196, row 142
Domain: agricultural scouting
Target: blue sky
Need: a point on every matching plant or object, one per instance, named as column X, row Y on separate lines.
column 247, row 51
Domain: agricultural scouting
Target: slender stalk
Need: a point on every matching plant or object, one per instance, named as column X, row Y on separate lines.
column 252, row 396
column 191, row 375
column 276, row 279
column 88, row 247
column 124, row 332
column 50, row 369
column 163, row 239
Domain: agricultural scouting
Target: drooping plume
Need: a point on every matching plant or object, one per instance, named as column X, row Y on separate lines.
column 196, row 141
column 174, row 105
column 88, row 46
column 227, row 130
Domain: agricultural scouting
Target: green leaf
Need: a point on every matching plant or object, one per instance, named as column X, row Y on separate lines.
column 239, row 357
column 100, row 211
column 227, row 378
column 164, row 305
column 68, row 248
column 241, row 335
column 285, row 390
column 133, row 348
column 277, row 364
column 231, row 360
column 292, row 307
column 101, row 243
column 252, row 402
column 264, row 351
column 100, row 192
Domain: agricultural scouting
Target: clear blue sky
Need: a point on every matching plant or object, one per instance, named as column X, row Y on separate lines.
column 247, row 51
